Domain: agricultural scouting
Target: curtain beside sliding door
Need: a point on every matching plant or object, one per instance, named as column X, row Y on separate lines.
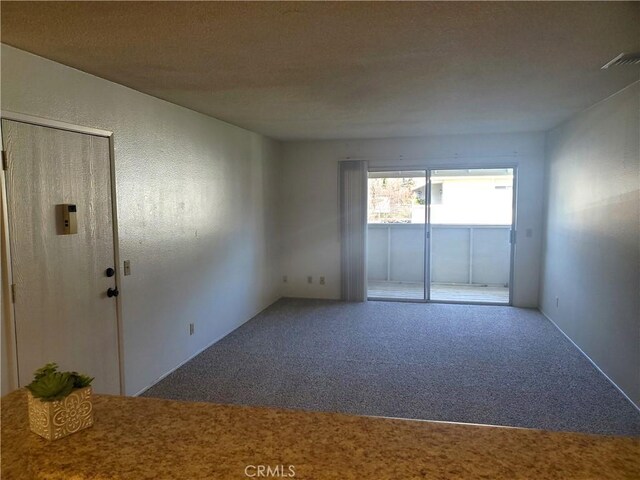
column 353, row 228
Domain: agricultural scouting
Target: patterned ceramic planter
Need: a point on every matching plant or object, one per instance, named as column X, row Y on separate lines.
column 57, row 419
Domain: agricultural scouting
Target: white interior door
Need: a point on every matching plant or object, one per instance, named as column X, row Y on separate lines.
column 62, row 311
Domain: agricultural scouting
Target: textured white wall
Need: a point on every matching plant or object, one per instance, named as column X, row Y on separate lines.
column 196, row 210
column 309, row 199
column 592, row 243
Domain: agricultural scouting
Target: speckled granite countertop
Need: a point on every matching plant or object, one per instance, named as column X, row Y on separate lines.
column 143, row 438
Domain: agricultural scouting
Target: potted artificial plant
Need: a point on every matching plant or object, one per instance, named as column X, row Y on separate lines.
column 59, row 402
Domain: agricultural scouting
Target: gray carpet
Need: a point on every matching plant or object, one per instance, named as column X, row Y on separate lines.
column 462, row 363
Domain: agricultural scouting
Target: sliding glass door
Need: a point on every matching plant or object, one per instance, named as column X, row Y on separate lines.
column 396, row 235
column 471, row 213
column 441, row 235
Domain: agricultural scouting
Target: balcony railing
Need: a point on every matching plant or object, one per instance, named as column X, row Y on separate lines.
column 460, row 254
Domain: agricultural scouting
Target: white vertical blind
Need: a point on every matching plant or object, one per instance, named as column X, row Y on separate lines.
column 353, row 228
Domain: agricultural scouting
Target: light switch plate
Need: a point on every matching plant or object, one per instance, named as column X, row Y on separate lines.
column 127, row 267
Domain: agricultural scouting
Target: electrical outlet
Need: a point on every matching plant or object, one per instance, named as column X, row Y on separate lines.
column 192, row 328
column 309, row 279
column 284, row 279
column 321, row 280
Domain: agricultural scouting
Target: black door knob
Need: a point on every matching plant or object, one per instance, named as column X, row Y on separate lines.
column 110, row 272
column 113, row 292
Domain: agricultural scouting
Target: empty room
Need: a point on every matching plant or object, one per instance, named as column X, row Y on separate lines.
column 320, row 240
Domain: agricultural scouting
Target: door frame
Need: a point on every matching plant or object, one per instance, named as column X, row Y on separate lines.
column 427, row 243
column 6, row 249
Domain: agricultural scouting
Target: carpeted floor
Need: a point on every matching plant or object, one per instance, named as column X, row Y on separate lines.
column 462, row 363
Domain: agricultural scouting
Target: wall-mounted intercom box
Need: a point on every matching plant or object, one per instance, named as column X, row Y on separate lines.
column 69, row 219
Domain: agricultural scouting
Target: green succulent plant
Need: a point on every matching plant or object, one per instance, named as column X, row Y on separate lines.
column 81, row 381
column 46, row 370
column 49, row 384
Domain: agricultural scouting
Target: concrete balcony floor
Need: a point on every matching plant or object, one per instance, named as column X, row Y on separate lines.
column 439, row 292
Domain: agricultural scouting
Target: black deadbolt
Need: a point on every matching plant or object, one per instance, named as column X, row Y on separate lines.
column 110, row 272
column 113, row 292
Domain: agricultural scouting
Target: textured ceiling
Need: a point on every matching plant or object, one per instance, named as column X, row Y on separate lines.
column 295, row 70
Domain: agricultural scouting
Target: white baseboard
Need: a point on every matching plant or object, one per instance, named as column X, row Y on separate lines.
column 160, row 378
column 590, row 360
